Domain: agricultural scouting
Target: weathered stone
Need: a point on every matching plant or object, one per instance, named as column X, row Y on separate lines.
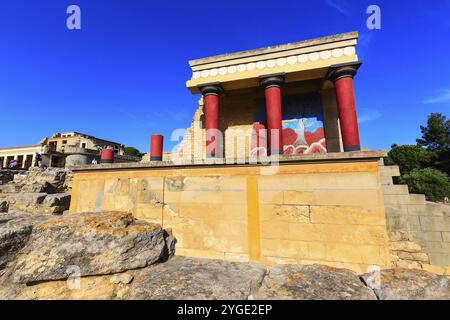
column 15, row 229
column 403, row 284
column 95, row 243
column 38, row 187
column 406, row 246
column 9, row 188
column 189, row 278
column 6, row 175
column 123, row 278
column 57, row 200
column 27, row 199
column 4, row 206
column 313, row 282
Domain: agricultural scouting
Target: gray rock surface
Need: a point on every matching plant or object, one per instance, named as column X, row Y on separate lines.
column 190, row 278
column 15, row 230
column 406, row 284
column 95, row 243
column 4, row 206
column 313, row 282
column 122, row 278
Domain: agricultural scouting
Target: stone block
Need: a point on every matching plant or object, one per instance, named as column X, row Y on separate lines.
column 404, row 199
column 346, row 215
column 271, row 197
column 435, row 223
column 386, row 180
column 393, row 171
column 276, row 230
column 298, row 197
column 395, row 190
column 305, row 232
column 446, row 236
column 287, row 213
column 406, row 246
column 434, row 268
column 283, row 248
column 428, row 209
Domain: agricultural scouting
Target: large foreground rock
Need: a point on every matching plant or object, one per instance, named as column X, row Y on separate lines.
column 15, row 230
column 190, row 278
column 88, row 244
column 313, row 282
column 405, row 284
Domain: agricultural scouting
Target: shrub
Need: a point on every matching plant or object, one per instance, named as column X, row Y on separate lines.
column 409, row 157
column 433, row 183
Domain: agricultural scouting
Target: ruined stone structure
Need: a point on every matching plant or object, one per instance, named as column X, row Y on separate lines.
column 62, row 149
column 271, row 170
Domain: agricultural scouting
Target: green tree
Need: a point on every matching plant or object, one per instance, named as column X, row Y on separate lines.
column 408, row 157
column 436, row 135
column 431, row 182
column 436, row 138
column 131, row 151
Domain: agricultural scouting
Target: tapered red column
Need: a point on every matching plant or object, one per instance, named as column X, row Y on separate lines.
column 342, row 76
column 214, row 147
column 156, row 147
column 272, row 89
column 106, row 156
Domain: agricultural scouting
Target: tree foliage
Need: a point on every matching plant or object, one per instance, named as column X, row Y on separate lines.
column 433, row 183
column 425, row 167
column 436, row 135
column 131, row 151
column 409, row 157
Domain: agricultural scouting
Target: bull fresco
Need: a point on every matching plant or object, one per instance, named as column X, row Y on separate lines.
column 303, row 131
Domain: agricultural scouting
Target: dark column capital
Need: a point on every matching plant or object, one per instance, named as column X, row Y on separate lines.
column 214, row 88
column 272, row 80
column 344, row 70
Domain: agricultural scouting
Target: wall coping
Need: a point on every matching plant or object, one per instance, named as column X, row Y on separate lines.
column 283, row 160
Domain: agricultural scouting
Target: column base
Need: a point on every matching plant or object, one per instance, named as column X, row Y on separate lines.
column 155, row 158
column 107, row 161
column 352, row 148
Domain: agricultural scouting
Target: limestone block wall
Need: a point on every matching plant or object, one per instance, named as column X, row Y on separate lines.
column 329, row 213
column 419, row 231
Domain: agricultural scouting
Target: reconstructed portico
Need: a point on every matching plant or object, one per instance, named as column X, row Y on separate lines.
column 301, row 93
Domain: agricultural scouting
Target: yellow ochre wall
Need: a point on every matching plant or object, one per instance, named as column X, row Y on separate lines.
column 328, row 213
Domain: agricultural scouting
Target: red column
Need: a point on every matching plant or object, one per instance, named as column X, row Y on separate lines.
column 211, row 101
column 342, row 76
column 156, row 147
column 107, row 156
column 272, row 89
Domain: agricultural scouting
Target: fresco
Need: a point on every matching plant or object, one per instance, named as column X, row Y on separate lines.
column 303, row 131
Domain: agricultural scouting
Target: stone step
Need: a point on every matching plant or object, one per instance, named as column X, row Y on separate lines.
column 386, row 180
column 393, row 171
column 404, row 199
column 395, row 189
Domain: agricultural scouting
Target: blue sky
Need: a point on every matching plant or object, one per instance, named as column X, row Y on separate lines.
column 122, row 77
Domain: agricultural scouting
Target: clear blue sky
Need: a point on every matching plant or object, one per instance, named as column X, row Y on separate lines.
column 123, row 75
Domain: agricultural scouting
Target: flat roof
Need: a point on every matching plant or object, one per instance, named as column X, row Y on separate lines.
column 277, row 48
column 21, row 147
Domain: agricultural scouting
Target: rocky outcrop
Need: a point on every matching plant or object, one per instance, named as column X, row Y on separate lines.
column 406, row 284
column 38, row 191
column 4, row 206
column 189, row 278
column 15, row 230
column 114, row 256
column 313, row 282
column 6, row 175
column 88, row 244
